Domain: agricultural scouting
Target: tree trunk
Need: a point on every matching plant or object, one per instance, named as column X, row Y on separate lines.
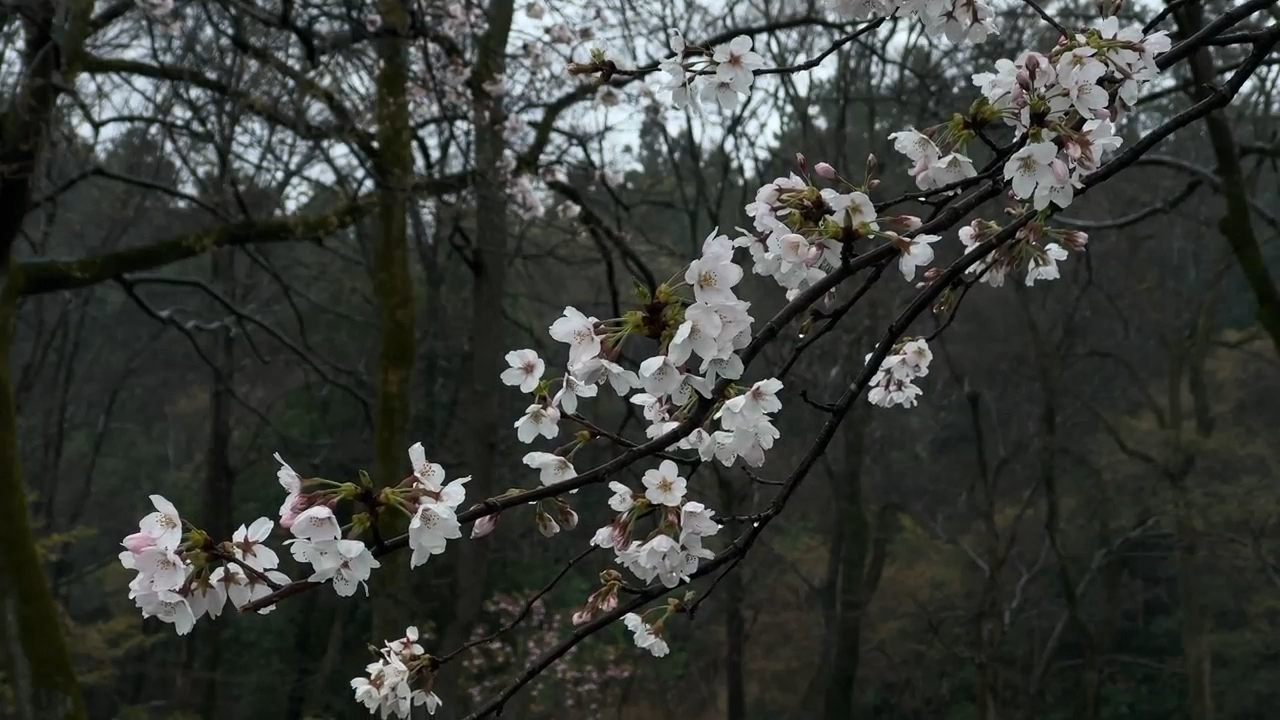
column 1194, row 619
column 219, row 475
column 32, row 646
column 394, row 288
column 845, row 586
column 1236, row 225
column 479, row 420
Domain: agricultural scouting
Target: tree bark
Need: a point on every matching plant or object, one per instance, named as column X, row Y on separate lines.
column 394, row 288
column 31, row 639
column 479, row 419
column 32, row 644
column 219, row 475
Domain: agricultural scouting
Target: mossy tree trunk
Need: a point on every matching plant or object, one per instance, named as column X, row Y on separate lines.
column 32, row 645
column 394, row 288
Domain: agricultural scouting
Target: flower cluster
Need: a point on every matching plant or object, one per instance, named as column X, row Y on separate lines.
column 893, row 382
column 801, row 231
column 389, row 688
column 1040, row 258
column 720, row 75
column 433, row 519
column 184, row 576
column 958, row 20
column 672, row 552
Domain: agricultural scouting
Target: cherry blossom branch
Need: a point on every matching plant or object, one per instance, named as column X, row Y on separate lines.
column 817, row 59
column 620, row 440
column 1226, row 20
column 831, row 319
column 1159, row 208
column 893, row 332
column 524, row 610
column 1048, row 18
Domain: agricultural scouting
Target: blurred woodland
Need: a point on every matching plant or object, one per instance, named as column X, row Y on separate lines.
column 230, row 230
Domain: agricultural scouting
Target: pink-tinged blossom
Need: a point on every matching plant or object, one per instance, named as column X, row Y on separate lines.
column 164, row 525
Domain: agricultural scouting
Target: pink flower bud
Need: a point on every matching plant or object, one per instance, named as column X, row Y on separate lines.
column 137, row 542
column 546, row 524
column 814, row 255
column 908, row 222
column 484, row 526
column 825, row 170
column 609, row 602
column 1060, row 172
column 373, row 22
column 1033, row 62
column 1024, row 79
column 801, row 163
column 583, row 616
column 568, row 518
column 1075, row 239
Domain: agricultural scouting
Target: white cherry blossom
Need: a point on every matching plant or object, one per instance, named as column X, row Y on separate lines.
column 551, row 468
column 659, row 376
column 525, row 371
column 1029, row 167
column 664, row 484
column 316, row 524
column 249, row 548
column 644, row 636
column 538, row 420
column 1044, row 265
column 578, row 331
column 570, row 390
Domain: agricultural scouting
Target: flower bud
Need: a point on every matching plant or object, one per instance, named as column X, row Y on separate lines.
column 373, row 22
column 875, row 183
column 484, row 526
column 610, row 576
column 800, row 163
column 825, row 170
column 568, row 518
column 1075, row 240
column 1024, row 79
column 906, row 223
column 546, row 525
column 1032, row 63
column 584, row 616
column 137, row 542
column 932, row 274
column 872, row 164
column 814, row 255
